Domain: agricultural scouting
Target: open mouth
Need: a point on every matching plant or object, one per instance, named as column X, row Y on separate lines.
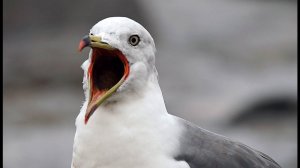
column 109, row 68
column 107, row 71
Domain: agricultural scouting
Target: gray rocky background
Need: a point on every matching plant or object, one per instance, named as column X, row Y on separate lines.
column 228, row 66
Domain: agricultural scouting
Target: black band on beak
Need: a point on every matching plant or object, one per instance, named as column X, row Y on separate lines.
column 86, row 41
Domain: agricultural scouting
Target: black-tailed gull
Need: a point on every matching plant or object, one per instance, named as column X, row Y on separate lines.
column 124, row 123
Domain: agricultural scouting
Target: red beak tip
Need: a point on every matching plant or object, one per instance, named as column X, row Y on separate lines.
column 86, row 120
column 81, row 46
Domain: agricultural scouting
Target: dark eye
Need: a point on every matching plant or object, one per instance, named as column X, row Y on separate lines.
column 91, row 34
column 134, row 40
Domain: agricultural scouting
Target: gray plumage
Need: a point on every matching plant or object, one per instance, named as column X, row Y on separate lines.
column 130, row 126
column 203, row 149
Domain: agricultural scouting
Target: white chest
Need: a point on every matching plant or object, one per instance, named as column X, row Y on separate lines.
column 131, row 138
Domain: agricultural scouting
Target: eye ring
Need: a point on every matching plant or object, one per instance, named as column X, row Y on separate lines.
column 134, row 40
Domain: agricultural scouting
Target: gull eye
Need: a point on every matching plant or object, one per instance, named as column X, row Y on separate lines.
column 134, row 40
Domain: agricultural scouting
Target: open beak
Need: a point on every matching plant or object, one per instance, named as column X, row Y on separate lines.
column 109, row 68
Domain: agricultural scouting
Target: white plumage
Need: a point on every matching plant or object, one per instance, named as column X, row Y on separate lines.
column 129, row 128
column 124, row 123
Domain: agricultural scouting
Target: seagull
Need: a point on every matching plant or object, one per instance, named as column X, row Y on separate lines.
column 124, row 123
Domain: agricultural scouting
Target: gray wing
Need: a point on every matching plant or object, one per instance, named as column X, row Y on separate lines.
column 204, row 149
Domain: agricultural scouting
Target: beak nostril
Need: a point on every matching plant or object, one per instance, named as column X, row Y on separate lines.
column 104, row 42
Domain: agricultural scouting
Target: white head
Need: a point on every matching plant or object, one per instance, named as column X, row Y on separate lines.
column 121, row 60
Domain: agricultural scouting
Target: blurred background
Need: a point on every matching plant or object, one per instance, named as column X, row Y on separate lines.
column 231, row 64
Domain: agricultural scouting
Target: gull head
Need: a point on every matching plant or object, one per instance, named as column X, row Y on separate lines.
column 121, row 60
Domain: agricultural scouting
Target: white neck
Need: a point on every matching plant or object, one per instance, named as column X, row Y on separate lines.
column 127, row 132
column 147, row 101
